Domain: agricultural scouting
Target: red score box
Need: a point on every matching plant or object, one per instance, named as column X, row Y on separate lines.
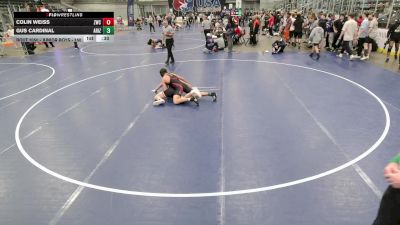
column 108, row 21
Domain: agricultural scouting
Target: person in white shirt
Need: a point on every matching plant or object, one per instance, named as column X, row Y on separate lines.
column 206, row 24
column 372, row 35
column 150, row 20
column 349, row 34
column 168, row 33
column 362, row 35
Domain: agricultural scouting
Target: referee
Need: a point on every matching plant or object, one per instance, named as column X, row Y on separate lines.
column 168, row 33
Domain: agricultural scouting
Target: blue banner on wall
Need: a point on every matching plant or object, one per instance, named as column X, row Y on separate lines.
column 131, row 19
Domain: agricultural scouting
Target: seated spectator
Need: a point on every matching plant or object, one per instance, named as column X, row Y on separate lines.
column 278, row 46
column 210, row 44
column 238, row 34
column 220, row 42
column 218, row 30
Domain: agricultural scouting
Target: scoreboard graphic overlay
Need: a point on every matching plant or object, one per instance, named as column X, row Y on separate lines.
column 64, row 26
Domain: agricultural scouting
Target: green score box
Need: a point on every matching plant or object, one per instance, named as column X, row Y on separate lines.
column 108, row 30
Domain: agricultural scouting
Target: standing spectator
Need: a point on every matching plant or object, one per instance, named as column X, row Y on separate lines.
column 9, row 35
column 313, row 22
column 230, row 31
column 206, row 24
column 286, row 31
column 168, row 17
column 187, row 20
column 264, row 24
column 362, row 34
column 316, row 37
column 168, row 34
column 388, row 213
column 150, row 20
column 360, row 20
column 271, row 21
column 393, row 36
column 337, row 30
column 254, row 32
column 291, row 29
column 329, row 32
column 372, row 35
column 298, row 29
column 349, row 34
column 277, row 21
column 159, row 20
column 322, row 20
column 251, row 26
column 241, row 21
column 306, row 27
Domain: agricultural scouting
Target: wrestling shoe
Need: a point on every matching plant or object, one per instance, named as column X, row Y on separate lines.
column 214, row 96
column 193, row 99
column 352, row 57
column 365, row 58
column 159, row 102
column 387, row 60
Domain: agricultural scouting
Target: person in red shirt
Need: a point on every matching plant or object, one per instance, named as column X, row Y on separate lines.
column 359, row 21
column 271, row 24
column 256, row 24
column 238, row 31
column 256, row 27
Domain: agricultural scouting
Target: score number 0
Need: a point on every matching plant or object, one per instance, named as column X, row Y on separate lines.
column 108, row 21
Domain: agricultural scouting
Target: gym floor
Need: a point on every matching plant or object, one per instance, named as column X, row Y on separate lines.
column 290, row 140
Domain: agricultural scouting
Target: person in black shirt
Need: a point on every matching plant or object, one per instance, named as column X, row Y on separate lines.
column 389, row 208
column 210, row 44
column 230, row 31
column 278, row 46
column 322, row 21
column 298, row 29
column 329, row 32
column 393, row 36
column 277, row 21
column 337, row 29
